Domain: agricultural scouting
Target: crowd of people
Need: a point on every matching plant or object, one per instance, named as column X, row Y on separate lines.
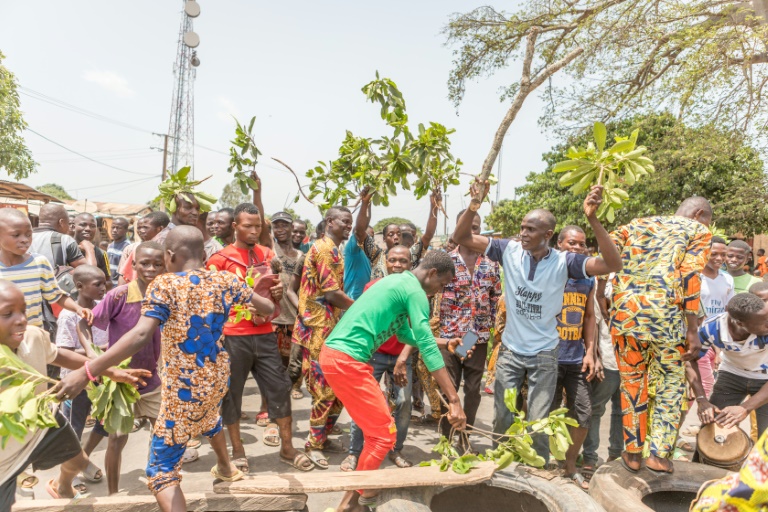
column 661, row 314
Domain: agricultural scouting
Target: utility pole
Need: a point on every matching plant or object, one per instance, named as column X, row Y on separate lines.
column 165, row 156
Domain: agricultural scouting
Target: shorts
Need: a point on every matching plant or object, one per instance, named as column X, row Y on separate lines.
column 58, row 445
column 148, row 405
column 578, row 393
column 256, row 354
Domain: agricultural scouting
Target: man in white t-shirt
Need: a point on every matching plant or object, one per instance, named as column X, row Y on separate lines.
column 741, row 333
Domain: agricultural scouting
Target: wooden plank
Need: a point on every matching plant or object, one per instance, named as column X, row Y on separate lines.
column 146, row 503
column 324, row 481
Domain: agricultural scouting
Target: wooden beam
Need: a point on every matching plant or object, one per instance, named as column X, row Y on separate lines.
column 318, row 481
column 146, row 503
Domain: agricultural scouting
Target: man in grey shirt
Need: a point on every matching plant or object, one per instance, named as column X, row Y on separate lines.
column 54, row 219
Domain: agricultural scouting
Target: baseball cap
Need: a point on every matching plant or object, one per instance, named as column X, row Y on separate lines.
column 283, row 216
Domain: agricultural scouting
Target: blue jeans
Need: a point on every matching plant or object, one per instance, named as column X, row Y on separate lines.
column 603, row 391
column 511, row 370
column 385, row 363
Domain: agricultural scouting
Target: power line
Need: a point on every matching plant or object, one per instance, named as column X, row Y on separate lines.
column 111, row 184
column 87, row 157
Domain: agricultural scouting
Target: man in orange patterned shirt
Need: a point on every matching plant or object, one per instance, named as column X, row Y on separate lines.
column 654, row 323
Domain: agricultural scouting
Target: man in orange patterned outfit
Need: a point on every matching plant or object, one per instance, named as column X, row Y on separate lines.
column 654, row 323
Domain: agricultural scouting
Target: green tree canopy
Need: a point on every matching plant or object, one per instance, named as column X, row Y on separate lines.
column 232, row 196
column 707, row 161
column 379, row 226
column 15, row 157
column 55, row 190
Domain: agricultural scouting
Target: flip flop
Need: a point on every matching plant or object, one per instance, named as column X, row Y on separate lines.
column 194, row 443
column 262, row 419
column 78, row 485
column 297, row 394
column 25, row 485
column 349, row 464
column 661, row 471
column 237, row 475
column 627, row 467
column 318, row 458
column 138, row 424
column 579, row 480
column 53, row 493
column 93, row 473
column 299, row 462
column 190, row 455
column 399, row 461
column 241, row 464
column 334, row 447
column 271, row 435
column 336, row 431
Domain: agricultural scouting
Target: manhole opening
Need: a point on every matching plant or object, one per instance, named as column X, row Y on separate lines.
column 669, row 501
column 485, row 497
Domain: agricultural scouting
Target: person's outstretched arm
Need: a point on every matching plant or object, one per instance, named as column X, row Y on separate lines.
column 610, row 258
column 429, row 231
column 462, row 235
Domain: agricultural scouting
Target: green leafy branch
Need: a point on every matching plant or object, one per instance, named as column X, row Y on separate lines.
column 113, row 401
column 243, row 156
column 21, row 410
column 620, row 165
column 515, row 445
column 178, row 185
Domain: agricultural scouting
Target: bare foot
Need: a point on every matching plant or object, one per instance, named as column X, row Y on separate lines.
column 658, row 464
column 632, row 461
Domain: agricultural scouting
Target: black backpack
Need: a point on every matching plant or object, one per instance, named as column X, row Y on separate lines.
column 61, row 270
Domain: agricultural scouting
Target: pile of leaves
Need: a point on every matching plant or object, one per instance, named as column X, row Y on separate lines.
column 515, row 445
column 622, row 164
column 21, row 410
column 178, row 185
column 113, row 401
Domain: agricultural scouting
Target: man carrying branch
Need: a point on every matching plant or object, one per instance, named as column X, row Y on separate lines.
column 535, row 277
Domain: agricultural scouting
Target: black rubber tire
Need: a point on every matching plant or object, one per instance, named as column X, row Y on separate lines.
column 619, row 490
column 557, row 494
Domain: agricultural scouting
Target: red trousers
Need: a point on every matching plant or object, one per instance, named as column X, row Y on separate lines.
column 353, row 383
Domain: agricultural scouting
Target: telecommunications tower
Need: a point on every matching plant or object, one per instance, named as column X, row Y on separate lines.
column 181, row 128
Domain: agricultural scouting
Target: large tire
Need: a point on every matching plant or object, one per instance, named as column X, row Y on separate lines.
column 619, row 490
column 540, row 494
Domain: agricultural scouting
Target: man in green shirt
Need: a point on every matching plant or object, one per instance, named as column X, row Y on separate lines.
column 735, row 260
column 385, row 310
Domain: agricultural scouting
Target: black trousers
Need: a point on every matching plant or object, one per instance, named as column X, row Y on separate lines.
column 471, row 370
column 731, row 389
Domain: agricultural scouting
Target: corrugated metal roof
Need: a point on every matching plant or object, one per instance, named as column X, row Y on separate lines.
column 113, row 209
column 14, row 190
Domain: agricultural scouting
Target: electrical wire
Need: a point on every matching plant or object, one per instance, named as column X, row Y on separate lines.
column 87, row 157
column 109, row 184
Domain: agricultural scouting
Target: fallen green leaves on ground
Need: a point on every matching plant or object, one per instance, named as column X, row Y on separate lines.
column 113, row 402
column 515, row 445
column 620, row 165
column 21, row 410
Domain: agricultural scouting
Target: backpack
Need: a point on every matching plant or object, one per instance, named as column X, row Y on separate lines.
column 62, row 271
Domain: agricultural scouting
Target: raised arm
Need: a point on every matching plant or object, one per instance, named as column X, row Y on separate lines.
column 363, row 217
column 610, row 258
column 462, row 235
column 429, row 232
column 265, row 238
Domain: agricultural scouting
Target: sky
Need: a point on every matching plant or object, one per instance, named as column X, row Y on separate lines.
column 298, row 66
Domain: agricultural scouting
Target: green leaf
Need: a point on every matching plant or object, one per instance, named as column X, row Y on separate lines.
column 599, row 132
column 510, row 399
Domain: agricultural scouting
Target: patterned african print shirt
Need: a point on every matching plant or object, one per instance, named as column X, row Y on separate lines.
column 469, row 301
column 323, row 272
column 660, row 282
column 378, row 259
column 192, row 308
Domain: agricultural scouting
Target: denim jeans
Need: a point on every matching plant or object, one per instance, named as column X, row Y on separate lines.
column 511, row 370
column 385, row 363
column 602, row 392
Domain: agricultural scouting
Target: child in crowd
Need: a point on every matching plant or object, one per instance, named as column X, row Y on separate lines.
column 45, row 448
column 192, row 305
column 91, row 286
column 736, row 258
column 117, row 314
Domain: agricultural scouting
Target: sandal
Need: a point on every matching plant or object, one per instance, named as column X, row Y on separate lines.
column 53, row 493
column 237, row 475
column 684, row 445
column 190, row 455
column 300, row 461
column 194, row 443
column 399, row 461
column 138, row 424
column 317, row 458
column 90, row 422
column 262, row 419
column 25, row 485
column 349, row 464
column 679, row 454
column 297, row 394
column 271, row 435
column 92, row 473
column 241, row 464
column 335, row 431
column 79, row 486
column 334, row 447
column 579, row 480
column 243, row 416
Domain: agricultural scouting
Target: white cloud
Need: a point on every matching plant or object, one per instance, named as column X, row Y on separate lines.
column 110, row 81
column 227, row 109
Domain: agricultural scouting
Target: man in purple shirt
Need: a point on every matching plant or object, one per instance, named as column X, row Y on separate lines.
column 118, row 313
